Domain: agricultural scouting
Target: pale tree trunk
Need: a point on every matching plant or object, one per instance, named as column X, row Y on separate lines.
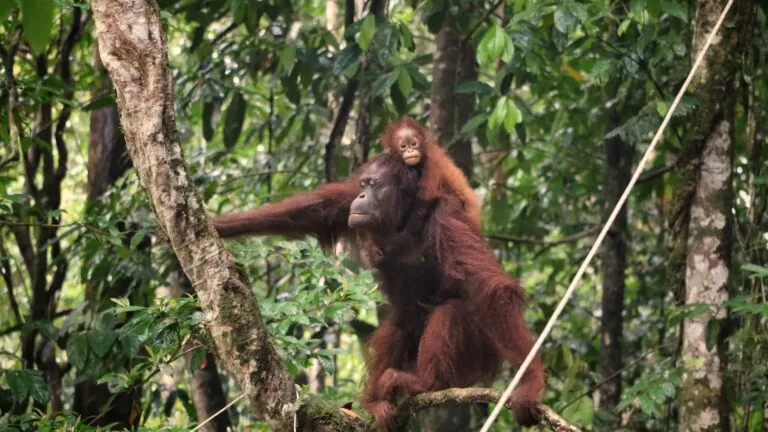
column 448, row 112
column 133, row 49
column 702, row 216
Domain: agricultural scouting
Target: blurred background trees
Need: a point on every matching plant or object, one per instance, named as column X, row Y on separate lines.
column 546, row 106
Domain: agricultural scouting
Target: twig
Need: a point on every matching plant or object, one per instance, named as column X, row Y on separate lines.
column 17, row 327
column 659, row 171
column 549, row 418
column 537, row 241
column 480, row 22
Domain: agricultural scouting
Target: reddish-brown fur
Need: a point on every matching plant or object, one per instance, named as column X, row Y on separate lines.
column 456, row 313
column 439, row 174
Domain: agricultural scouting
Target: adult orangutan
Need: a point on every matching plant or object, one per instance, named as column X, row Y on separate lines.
column 456, row 313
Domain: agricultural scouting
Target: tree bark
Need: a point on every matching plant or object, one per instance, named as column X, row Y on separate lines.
column 363, row 127
column 448, row 110
column 701, row 220
column 133, row 48
column 454, row 63
column 613, row 264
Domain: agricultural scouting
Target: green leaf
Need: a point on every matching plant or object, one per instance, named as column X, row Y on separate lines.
column 233, row 120
column 495, row 44
column 37, row 19
column 137, row 238
column 400, row 102
column 513, row 117
column 384, row 83
column 6, row 6
column 198, row 356
column 209, row 118
column 366, row 32
column 345, row 59
column 568, row 16
column 474, row 87
column 101, row 102
column 756, row 270
column 36, row 386
column 675, row 9
column 77, row 350
column 16, row 383
column 404, row 82
column 407, row 37
column 287, row 58
column 385, row 43
column 101, row 341
column 474, row 123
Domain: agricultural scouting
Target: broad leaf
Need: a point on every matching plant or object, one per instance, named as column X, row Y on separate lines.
column 233, row 120
column 77, row 350
column 37, row 18
column 366, row 32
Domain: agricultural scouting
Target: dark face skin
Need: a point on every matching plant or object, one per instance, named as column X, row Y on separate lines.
column 377, row 193
column 409, row 147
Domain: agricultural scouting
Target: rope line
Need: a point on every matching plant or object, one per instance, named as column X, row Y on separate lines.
column 577, row 278
column 218, row 412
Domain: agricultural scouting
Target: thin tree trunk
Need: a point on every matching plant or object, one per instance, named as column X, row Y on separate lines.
column 363, row 128
column 107, row 161
column 702, row 216
column 613, row 264
column 448, row 111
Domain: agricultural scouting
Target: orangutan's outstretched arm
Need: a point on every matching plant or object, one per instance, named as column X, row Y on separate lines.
column 322, row 212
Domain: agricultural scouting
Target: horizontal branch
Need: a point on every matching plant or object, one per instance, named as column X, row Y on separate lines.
column 537, row 241
column 549, row 418
column 346, row 419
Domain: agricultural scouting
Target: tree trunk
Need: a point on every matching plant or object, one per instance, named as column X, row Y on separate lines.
column 701, row 220
column 448, row 111
column 363, row 127
column 613, row 265
column 205, row 382
column 133, row 48
column 107, row 161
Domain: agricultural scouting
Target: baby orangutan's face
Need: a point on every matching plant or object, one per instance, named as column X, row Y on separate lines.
column 409, row 147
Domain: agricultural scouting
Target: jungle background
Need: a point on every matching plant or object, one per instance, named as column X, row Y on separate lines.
column 546, row 105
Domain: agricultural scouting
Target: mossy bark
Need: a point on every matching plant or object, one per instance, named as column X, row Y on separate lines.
column 133, row 49
column 700, row 220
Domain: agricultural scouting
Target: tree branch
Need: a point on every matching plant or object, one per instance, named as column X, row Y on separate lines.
column 537, row 241
column 549, row 418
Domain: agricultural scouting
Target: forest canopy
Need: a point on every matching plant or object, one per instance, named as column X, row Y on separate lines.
column 122, row 309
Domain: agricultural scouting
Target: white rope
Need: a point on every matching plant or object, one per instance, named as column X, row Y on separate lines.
column 576, row 279
column 218, row 412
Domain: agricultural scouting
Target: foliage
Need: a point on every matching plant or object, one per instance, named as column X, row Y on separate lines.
column 258, row 87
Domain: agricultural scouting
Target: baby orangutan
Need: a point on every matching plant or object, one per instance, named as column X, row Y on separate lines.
column 439, row 174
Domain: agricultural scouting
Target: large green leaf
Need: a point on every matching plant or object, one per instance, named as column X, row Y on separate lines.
column 37, row 18
column 367, row 30
column 100, row 341
column 77, row 350
column 495, row 44
column 233, row 120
